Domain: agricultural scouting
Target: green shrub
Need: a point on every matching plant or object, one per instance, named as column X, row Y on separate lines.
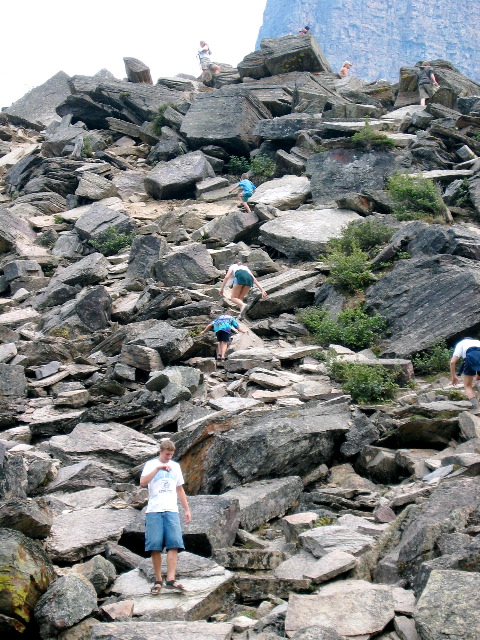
column 476, row 135
column 367, row 139
column 350, row 272
column 87, row 149
column 159, row 120
column 415, row 198
column 111, row 241
column 363, row 382
column 47, row 238
column 436, row 359
column 263, row 166
column 58, row 219
column 367, row 235
column 237, row 165
column 463, row 198
column 353, row 328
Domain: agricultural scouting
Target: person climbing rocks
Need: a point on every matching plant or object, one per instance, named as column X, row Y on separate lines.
column 206, row 64
column 305, row 31
column 222, row 325
column 164, row 479
column 245, row 191
column 343, row 73
column 469, row 350
column 426, row 82
column 243, row 281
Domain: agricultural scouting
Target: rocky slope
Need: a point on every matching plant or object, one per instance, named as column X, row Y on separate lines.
column 380, row 37
column 313, row 518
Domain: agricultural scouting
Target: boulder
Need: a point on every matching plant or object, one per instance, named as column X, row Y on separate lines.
column 89, row 270
column 67, row 601
column 331, row 565
column 15, row 233
column 263, row 500
column 22, row 268
column 224, row 118
column 304, row 235
column 284, row 193
column 322, row 540
column 418, row 318
column 78, row 476
column 170, row 343
column 36, row 109
column 177, row 178
column 26, row 573
column 214, row 525
column 293, row 443
column 234, row 226
column 281, row 55
column 89, row 311
column 30, row 517
column 129, row 183
column 166, row 150
column 12, row 380
column 98, row 219
column 174, row 630
column 449, row 606
column 185, row 265
column 99, row 571
column 370, row 608
column 286, row 128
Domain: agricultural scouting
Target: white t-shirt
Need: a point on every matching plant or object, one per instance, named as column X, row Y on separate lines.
column 461, row 348
column 162, row 489
column 235, row 267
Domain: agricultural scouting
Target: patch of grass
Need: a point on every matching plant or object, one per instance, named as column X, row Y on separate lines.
column 237, row 165
column 476, row 135
column 47, row 239
column 434, row 360
column 368, row 235
column 350, row 272
column 58, row 219
column 111, row 241
column 454, row 394
column 324, row 521
column 367, row 139
column 60, row 332
column 353, row 328
column 87, row 149
column 366, row 384
column 415, row 198
column 463, row 198
column 321, row 149
column 195, row 331
column 159, row 120
column 263, row 166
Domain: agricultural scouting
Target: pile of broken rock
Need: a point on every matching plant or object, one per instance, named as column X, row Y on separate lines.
column 313, row 518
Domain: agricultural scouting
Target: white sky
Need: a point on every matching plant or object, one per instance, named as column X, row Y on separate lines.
column 40, row 37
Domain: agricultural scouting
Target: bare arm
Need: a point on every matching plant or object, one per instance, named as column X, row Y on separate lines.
column 182, row 496
column 233, row 188
column 434, row 80
column 227, row 276
column 453, row 362
column 207, row 328
column 262, row 290
column 147, row 478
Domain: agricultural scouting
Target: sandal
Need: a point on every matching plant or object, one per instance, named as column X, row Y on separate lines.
column 157, row 587
column 173, row 584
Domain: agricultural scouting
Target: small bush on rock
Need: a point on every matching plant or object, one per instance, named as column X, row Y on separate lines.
column 433, row 360
column 368, row 235
column 237, row 165
column 363, row 382
column 350, row 272
column 415, row 198
column 353, row 328
column 367, row 139
column 111, row 241
column 262, row 166
column 159, row 120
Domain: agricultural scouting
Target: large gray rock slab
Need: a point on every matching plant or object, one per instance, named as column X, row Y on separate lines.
column 89, row 270
column 67, row 601
column 284, row 193
column 304, row 235
column 286, row 128
column 185, row 265
column 342, row 171
column 297, row 566
column 171, row 343
column 99, row 219
column 352, row 608
column 15, row 233
column 81, row 475
column 30, row 517
column 144, row 253
column 323, row 540
column 99, row 571
column 412, row 298
column 420, row 239
column 449, row 606
column 214, row 525
column 178, row 177
column 264, row 500
column 234, row 226
column 89, row 311
column 224, row 118
column 293, row 443
column 85, row 532
column 26, row 573
column 12, row 380
column 330, row 566
column 37, row 108
column 280, row 55
column 174, row 630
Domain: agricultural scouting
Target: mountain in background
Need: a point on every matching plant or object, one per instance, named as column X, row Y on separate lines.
column 378, row 36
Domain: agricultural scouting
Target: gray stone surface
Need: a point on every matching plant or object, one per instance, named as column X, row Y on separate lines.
column 323, row 540
column 89, row 270
column 178, row 178
column 331, row 565
column 215, row 522
column 12, row 380
column 234, row 226
column 171, row 343
column 284, row 193
column 31, row 517
column 144, row 253
column 99, row 571
column 303, row 235
column 99, row 218
column 185, row 265
column 174, row 630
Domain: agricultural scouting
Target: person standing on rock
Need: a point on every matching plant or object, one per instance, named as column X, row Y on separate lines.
column 305, row 31
column 243, row 281
column 245, row 191
column 223, row 328
column 343, row 73
column 426, row 82
column 206, row 64
column 164, row 479
column 469, row 350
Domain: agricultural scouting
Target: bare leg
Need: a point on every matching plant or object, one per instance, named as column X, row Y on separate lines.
column 157, row 564
column 172, row 556
column 247, row 208
column 468, row 385
column 422, row 102
column 239, row 292
column 222, row 349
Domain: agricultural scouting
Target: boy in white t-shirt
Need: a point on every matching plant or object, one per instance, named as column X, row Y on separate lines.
column 164, row 479
column 469, row 350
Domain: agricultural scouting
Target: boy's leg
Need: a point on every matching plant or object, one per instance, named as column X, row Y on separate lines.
column 157, row 564
column 222, row 349
column 172, row 556
column 468, row 385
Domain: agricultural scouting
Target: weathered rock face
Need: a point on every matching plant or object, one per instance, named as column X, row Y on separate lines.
column 185, row 265
column 27, row 572
column 284, row 193
column 419, row 318
column 177, row 178
column 376, row 30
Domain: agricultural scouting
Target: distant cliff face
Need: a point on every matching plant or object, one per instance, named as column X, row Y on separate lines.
column 380, row 36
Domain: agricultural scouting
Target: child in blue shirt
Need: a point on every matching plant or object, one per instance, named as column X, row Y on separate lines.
column 245, row 191
column 223, row 326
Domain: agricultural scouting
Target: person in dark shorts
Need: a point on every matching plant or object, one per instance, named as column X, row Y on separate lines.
column 243, row 281
column 469, row 350
column 164, row 479
column 426, row 82
column 223, row 328
column 245, row 191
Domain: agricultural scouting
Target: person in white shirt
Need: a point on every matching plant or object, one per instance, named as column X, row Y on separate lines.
column 164, row 479
column 204, row 54
column 243, row 281
column 469, row 350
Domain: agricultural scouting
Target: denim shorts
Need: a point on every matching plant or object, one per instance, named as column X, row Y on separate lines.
column 162, row 530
